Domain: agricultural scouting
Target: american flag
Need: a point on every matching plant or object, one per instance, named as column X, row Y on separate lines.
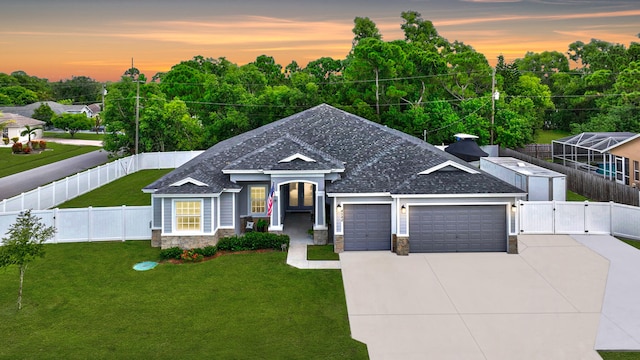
column 270, row 202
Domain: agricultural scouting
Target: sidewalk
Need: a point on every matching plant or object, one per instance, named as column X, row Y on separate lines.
column 296, row 226
column 74, row 141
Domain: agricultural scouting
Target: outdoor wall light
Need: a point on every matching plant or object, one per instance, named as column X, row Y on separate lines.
column 514, row 207
column 403, row 209
column 339, row 207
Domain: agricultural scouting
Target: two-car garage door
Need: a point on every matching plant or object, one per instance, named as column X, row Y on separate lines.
column 467, row 228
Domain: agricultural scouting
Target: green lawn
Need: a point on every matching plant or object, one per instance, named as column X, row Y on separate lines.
column 619, row 355
column 321, row 252
column 84, row 301
column 545, row 136
column 12, row 164
column 78, row 136
column 124, row 191
column 571, row 196
column 634, row 243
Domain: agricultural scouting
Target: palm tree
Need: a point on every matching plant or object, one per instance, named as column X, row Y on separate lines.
column 28, row 130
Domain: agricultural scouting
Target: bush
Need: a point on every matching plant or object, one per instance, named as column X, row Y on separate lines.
column 170, row 253
column 16, row 148
column 253, row 241
column 43, row 144
column 191, row 256
column 26, row 150
column 206, row 251
column 15, row 139
column 5, row 140
column 35, row 145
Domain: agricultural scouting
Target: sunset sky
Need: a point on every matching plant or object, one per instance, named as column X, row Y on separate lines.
column 57, row 39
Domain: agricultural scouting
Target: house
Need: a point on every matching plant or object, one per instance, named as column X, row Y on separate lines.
column 57, row 108
column 613, row 155
column 366, row 187
column 16, row 124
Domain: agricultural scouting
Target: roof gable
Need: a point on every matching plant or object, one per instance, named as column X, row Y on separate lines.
column 188, row 180
column 448, row 164
column 297, row 156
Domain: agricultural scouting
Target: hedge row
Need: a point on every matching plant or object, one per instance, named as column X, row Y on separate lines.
column 250, row 241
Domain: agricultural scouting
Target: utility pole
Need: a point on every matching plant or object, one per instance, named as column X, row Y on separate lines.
column 137, row 105
column 493, row 101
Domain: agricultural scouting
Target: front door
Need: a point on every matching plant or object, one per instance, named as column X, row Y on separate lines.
column 300, row 197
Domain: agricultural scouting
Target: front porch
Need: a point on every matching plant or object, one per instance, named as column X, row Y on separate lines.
column 297, row 225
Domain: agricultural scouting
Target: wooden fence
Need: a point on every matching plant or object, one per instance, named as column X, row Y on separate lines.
column 538, row 151
column 589, row 185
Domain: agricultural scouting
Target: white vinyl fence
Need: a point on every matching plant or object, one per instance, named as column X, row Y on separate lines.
column 568, row 217
column 92, row 224
column 60, row 191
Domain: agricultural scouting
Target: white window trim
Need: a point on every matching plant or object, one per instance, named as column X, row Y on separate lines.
column 266, row 197
column 174, row 228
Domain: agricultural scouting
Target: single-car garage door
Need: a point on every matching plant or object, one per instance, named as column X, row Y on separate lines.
column 367, row 227
column 466, row 228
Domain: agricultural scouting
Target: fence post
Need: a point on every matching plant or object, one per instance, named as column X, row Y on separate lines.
column 553, row 216
column 585, row 216
column 90, row 223
column 22, row 201
column 124, row 222
column 55, row 225
column 611, row 232
column 4, row 205
column 38, row 191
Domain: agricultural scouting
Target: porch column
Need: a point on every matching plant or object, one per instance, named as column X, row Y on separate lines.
column 320, row 222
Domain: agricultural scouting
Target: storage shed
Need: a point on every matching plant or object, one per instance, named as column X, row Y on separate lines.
column 540, row 184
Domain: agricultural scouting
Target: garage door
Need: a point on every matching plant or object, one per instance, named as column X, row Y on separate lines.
column 457, row 228
column 367, row 227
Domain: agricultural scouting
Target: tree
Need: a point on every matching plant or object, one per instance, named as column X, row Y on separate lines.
column 81, row 89
column 72, row 123
column 44, row 113
column 364, row 28
column 28, row 131
column 25, row 243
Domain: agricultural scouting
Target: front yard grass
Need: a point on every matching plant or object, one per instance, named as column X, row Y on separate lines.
column 14, row 163
column 321, row 252
column 84, row 301
column 124, row 191
column 77, row 136
column 571, row 196
column 619, row 355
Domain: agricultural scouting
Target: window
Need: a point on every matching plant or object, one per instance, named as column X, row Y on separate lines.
column 636, row 171
column 5, row 133
column 258, row 199
column 188, row 215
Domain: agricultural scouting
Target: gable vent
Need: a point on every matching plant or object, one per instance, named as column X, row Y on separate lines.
column 188, row 180
column 448, row 166
column 297, row 156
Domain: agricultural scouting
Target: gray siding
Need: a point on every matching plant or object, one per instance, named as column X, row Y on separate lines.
column 156, row 204
column 206, row 204
column 226, row 209
column 214, row 218
column 168, row 216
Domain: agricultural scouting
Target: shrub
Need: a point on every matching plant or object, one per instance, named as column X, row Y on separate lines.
column 170, row 253
column 15, row 139
column 5, row 140
column 253, row 241
column 206, row 251
column 26, row 150
column 35, row 145
column 43, row 144
column 16, row 148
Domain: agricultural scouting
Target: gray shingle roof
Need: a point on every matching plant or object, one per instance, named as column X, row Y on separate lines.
column 375, row 158
column 19, row 121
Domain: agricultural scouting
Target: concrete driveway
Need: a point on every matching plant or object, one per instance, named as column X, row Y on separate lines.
column 544, row 303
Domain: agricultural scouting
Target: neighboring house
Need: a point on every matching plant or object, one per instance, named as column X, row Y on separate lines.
column 95, row 109
column 17, row 124
column 613, row 155
column 366, row 187
column 57, row 108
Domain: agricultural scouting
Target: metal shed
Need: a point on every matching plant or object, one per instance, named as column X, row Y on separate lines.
column 590, row 152
column 540, row 184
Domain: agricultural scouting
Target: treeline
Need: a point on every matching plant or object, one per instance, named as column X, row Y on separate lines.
column 423, row 85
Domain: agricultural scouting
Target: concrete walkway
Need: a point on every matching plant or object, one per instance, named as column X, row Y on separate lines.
column 543, row 303
column 619, row 327
column 296, row 226
column 78, row 142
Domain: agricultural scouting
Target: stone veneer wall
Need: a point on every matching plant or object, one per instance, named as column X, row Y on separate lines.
column 194, row 241
column 402, row 246
column 512, row 245
column 156, row 238
column 320, row 237
column 338, row 243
